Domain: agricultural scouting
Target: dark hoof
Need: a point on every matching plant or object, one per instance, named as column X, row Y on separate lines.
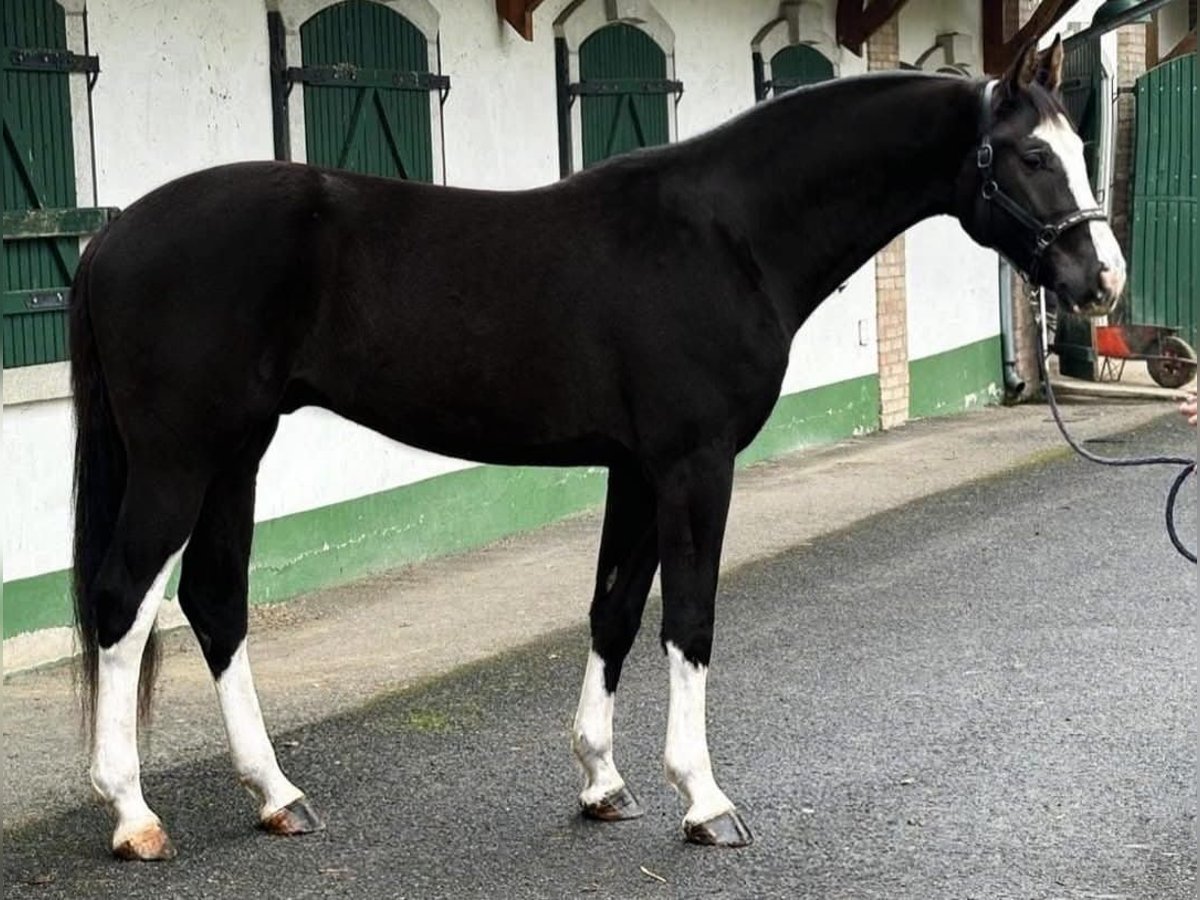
column 726, row 830
column 298, row 817
column 150, row 844
column 616, row 807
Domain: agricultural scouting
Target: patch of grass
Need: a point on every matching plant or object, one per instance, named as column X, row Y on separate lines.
column 429, row 721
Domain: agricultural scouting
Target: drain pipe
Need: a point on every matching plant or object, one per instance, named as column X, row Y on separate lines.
column 1013, row 385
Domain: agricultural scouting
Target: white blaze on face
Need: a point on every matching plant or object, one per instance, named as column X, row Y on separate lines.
column 1066, row 145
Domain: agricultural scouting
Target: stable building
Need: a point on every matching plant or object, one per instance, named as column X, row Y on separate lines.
column 105, row 100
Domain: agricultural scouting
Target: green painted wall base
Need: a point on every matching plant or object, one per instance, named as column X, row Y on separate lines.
column 455, row 512
column 960, row 379
column 819, row 416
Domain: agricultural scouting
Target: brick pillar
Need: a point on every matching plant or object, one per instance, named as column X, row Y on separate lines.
column 1131, row 64
column 891, row 300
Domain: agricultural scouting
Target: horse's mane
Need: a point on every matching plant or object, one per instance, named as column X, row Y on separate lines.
column 804, row 101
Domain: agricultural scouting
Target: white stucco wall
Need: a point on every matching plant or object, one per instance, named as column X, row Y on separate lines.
column 712, row 57
column 838, row 342
column 1172, row 25
column 921, row 22
column 953, row 291
column 185, row 86
column 36, row 440
column 501, row 120
column 953, row 288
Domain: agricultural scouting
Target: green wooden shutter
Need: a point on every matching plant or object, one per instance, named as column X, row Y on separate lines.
column 622, row 92
column 1165, row 276
column 366, row 94
column 798, row 65
column 1083, row 73
column 37, row 172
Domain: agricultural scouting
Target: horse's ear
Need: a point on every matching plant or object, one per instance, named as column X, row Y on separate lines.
column 1049, row 66
column 1023, row 70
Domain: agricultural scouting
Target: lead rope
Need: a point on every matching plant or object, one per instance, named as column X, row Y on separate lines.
column 1189, row 465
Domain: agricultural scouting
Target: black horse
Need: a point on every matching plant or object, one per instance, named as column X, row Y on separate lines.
column 637, row 316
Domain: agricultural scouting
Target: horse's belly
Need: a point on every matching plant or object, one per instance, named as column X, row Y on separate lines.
column 500, row 420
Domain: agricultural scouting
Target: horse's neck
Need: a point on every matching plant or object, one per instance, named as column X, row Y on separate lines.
column 832, row 177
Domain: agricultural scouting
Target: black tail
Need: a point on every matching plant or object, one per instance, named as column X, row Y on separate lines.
column 100, row 473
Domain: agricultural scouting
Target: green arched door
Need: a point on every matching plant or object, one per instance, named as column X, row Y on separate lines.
column 622, row 92
column 366, row 91
column 798, row 65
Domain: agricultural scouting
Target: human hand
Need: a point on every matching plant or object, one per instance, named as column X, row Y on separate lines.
column 1188, row 408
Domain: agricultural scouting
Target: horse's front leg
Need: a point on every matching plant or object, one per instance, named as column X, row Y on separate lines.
column 628, row 558
column 693, row 504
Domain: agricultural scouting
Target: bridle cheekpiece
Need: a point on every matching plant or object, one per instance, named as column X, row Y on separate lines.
column 1043, row 233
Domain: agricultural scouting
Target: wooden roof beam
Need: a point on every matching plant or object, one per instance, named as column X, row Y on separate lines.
column 998, row 53
column 856, row 22
column 518, row 14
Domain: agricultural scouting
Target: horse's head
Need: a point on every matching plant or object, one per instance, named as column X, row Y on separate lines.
column 1029, row 193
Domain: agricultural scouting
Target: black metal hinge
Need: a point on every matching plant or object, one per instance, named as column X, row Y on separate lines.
column 30, row 60
column 601, row 87
column 45, row 300
column 18, row 59
column 352, row 76
column 782, row 85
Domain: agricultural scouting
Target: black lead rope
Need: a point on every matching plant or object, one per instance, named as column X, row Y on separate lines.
column 1189, row 465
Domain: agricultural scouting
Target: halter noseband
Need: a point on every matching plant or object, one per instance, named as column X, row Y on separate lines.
column 1044, row 233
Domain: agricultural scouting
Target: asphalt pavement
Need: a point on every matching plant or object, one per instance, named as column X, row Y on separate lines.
column 983, row 693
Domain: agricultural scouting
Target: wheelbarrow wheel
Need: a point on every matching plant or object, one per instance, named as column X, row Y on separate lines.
column 1175, row 365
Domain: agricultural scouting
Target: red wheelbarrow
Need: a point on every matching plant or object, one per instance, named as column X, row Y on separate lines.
column 1169, row 359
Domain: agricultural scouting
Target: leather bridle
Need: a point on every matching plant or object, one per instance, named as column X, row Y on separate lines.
column 1043, row 233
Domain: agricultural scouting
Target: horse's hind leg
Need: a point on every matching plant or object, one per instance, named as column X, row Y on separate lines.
column 628, row 558
column 212, row 594
column 156, row 515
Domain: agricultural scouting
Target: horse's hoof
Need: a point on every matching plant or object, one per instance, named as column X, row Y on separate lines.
column 725, row 830
column 615, row 807
column 148, row 844
column 298, row 817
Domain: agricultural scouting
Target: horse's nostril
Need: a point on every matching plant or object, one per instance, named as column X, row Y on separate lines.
column 1112, row 282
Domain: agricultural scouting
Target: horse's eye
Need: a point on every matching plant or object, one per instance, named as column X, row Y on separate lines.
column 1033, row 160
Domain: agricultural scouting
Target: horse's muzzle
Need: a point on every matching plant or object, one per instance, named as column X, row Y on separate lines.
column 1111, row 284
column 1100, row 298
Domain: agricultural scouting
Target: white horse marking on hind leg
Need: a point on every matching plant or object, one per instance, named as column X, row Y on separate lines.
column 592, row 736
column 251, row 749
column 116, row 769
column 686, row 758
